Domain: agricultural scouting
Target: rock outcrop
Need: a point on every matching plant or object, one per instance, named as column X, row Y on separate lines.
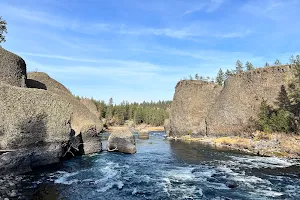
column 41, row 80
column 91, row 106
column 83, row 121
column 36, row 124
column 167, row 127
column 122, row 141
column 12, row 69
column 41, row 124
column 241, row 98
column 191, row 104
column 207, row 109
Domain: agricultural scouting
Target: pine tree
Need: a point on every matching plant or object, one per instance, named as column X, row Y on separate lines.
column 228, row 74
column 3, row 29
column 267, row 64
column 283, row 100
column 292, row 59
column 239, row 66
column 220, row 77
column 197, row 76
column 277, row 62
column 249, row 66
column 109, row 112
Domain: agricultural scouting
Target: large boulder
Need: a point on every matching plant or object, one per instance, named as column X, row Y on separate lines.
column 41, row 80
column 12, row 69
column 122, row 141
column 83, row 121
column 35, row 123
column 91, row 106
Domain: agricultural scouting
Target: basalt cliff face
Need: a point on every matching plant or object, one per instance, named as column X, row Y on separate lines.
column 191, row 105
column 41, row 122
column 202, row 108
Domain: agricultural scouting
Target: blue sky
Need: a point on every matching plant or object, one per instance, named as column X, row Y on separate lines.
column 138, row 50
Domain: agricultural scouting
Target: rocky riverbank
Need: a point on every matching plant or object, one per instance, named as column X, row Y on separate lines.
column 258, row 143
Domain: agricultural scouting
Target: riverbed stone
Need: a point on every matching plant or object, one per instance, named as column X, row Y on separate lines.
column 121, row 141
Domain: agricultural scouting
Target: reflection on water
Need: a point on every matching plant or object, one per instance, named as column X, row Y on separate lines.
column 164, row 169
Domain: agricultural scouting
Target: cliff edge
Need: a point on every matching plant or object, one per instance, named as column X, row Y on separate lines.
column 202, row 108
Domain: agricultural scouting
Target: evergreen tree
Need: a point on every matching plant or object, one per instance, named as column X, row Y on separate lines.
column 228, row 74
column 264, row 117
column 267, row 64
column 220, row 77
column 283, row 100
column 249, row 66
column 197, row 76
column 3, row 29
column 297, row 59
column 239, row 66
column 277, row 62
column 109, row 112
column 292, row 59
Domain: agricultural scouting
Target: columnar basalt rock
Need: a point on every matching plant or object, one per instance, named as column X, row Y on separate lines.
column 241, row 98
column 206, row 108
column 191, row 105
column 12, row 69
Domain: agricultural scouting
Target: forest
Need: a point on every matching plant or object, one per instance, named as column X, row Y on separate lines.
column 152, row 113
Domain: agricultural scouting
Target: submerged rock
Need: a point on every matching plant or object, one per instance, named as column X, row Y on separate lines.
column 231, row 184
column 144, row 135
column 121, row 141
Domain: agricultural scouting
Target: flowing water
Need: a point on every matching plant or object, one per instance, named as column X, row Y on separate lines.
column 163, row 169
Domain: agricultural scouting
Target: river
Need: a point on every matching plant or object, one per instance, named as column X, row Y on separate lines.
column 163, row 169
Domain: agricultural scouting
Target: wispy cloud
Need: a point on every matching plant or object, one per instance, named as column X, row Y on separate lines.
column 188, row 33
column 208, row 6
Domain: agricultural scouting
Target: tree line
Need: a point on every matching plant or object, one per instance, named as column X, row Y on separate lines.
column 239, row 68
column 152, row 113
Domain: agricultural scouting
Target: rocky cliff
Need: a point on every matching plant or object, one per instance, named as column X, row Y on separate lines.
column 205, row 108
column 41, row 122
column 191, row 105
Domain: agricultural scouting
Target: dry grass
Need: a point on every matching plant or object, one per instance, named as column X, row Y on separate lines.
column 290, row 144
column 260, row 135
column 244, row 143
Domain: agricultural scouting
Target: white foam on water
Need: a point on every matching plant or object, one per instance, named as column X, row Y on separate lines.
column 65, row 178
column 268, row 193
column 180, row 174
column 260, row 162
column 108, row 186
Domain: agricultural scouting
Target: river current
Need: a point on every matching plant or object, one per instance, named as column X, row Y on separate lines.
column 163, row 169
